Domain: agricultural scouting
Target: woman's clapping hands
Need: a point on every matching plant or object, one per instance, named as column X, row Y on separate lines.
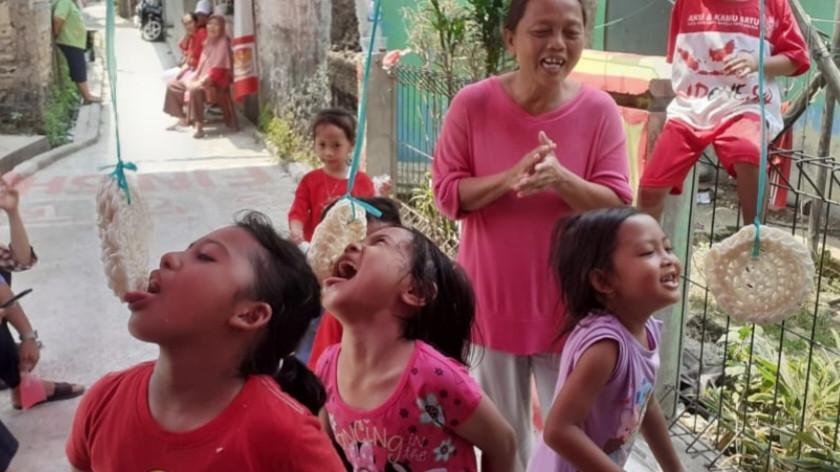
column 544, row 173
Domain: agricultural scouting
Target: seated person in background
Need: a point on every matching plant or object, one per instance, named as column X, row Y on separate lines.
column 211, row 78
column 186, row 44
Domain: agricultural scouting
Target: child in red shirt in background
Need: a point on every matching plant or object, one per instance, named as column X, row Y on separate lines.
column 334, row 133
column 227, row 314
column 329, row 330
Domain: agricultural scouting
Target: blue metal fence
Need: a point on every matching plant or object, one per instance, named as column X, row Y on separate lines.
column 423, row 97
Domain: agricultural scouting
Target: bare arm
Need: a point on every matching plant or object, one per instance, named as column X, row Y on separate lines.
column 582, row 195
column 14, row 313
column 655, row 431
column 57, row 24
column 487, row 430
column 779, row 65
column 573, row 404
column 28, row 351
column 475, row 193
column 296, row 231
column 20, row 245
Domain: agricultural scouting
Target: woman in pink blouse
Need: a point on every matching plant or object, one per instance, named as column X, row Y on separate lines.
column 517, row 152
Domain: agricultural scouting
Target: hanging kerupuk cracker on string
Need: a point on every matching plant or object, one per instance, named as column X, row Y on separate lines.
column 123, row 218
column 760, row 274
column 345, row 223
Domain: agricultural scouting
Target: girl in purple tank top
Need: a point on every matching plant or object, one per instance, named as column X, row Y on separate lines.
column 615, row 268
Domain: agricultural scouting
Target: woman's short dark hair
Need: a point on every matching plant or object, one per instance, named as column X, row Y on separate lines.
column 516, row 11
column 283, row 280
column 339, row 117
column 580, row 245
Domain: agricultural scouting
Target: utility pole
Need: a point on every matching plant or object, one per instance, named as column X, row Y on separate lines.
column 824, row 148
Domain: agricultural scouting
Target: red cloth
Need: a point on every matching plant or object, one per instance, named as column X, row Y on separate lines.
column 262, row 429
column 185, row 44
column 197, row 46
column 328, row 333
column 317, row 190
column 220, row 77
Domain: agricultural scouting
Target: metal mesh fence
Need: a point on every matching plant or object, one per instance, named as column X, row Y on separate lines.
column 765, row 398
column 423, row 96
column 751, row 398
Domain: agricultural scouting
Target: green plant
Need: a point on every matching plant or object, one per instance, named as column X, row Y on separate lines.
column 288, row 125
column 771, row 401
column 280, row 132
column 489, row 17
column 61, row 108
column 423, row 200
column 444, row 35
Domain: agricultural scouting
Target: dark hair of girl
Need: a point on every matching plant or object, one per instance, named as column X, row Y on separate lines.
column 339, row 117
column 388, row 207
column 445, row 321
column 580, row 245
column 516, row 11
column 284, row 280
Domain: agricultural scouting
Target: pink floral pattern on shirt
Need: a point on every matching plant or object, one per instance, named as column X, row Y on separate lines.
column 413, row 431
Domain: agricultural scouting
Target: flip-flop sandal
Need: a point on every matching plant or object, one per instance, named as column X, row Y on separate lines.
column 199, row 134
column 63, row 391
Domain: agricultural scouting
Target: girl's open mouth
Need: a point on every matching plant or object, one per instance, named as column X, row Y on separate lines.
column 139, row 298
column 344, row 270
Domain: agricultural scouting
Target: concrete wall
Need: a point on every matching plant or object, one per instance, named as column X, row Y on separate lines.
column 293, row 37
column 26, row 58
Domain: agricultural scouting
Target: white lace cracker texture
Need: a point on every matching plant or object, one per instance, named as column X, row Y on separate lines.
column 339, row 229
column 124, row 230
column 764, row 290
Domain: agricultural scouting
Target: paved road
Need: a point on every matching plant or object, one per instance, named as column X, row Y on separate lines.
column 192, row 187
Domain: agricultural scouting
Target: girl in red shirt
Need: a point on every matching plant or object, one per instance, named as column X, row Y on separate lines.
column 334, row 133
column 226, row 313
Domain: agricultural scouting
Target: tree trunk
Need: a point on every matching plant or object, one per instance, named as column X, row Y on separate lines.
column 591, row 9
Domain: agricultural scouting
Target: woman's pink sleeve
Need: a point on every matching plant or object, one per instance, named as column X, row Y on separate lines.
column 452, row 159
column 609, row 165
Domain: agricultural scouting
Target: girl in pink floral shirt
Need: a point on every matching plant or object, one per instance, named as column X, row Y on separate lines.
column 398, row 394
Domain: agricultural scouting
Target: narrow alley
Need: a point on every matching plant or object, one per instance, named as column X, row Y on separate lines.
column 191, row 186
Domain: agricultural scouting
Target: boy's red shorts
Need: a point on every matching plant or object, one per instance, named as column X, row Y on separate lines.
column 680, row 145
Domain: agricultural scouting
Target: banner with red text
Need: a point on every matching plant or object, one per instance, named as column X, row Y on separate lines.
column 245, row 80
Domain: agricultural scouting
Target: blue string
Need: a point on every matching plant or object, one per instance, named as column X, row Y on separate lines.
column 360, row 130
column 762, row 166
column 119, row 170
